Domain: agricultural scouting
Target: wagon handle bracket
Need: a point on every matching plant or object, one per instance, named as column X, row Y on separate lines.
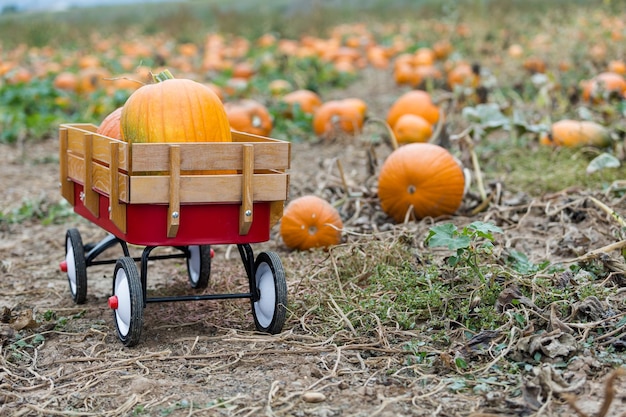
column 90, row 197
column 173, row 213
column 245, row 211
column 117, row 211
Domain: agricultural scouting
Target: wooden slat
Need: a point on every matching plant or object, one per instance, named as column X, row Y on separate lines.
column 117, row 210
column 101, row 176
column 207, row 188
column 245, row 211
column 67, row 187
column 100, row 144
column 90, row 197
column 276, row 211
column 151, row 157
column 238, row 136
column 173, row 218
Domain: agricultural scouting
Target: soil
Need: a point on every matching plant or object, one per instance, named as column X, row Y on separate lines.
column 205, row 358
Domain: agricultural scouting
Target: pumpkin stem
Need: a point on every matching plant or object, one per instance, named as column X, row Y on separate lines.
column 392, row 136
column 162, row 76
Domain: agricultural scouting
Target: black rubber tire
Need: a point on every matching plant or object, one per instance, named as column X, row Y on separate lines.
column 76, row 266
column 199, row 265
column 128, row 317
column 270, row 310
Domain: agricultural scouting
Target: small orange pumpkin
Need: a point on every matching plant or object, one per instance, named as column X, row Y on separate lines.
column 249, row 116
column 338, row 116
column 110, row 125
column 413, row 102
column 573, row 133
column 91, row 79
column 463, row 75
column 307, row 100
column 420, row 180
column 310, row 222
column 412, row 128
column 66, row 80
column 596, row 89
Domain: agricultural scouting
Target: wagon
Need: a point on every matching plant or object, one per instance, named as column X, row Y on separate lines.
column 184, row 195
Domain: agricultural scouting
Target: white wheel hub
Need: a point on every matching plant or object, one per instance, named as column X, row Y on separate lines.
column 194, row 263
column 123, row 312
column 265, row 306
column 71, row 266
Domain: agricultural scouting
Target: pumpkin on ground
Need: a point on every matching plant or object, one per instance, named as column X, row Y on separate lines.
column 413, row 102
column 337, row 116
column 249, row 116
column 420, row 180
column 573, row 133
column 603, row 86
column 310, row 222
column 308, row 101
column 110, row 125
column 412, row 128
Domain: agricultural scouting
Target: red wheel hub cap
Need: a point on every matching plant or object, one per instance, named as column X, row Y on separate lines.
column 113, row 302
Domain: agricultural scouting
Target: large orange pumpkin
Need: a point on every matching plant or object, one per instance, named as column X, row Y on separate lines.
column 174, row 110
column 574, row 133
column 110, row 125
column 420, row 180
column 413, row 102
column 310, row 222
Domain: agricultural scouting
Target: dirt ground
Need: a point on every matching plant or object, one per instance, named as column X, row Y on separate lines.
column 204, row 358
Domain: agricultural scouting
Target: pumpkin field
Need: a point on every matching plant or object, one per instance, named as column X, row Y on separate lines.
column 451, row 226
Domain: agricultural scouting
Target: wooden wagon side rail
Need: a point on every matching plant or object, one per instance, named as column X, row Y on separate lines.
column 173, row 173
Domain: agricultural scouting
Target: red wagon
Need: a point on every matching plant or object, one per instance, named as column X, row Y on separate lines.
column 164, row 194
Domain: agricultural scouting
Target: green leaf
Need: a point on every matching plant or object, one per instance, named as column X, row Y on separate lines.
column 446, row 235
column 488, row 116
column 484, row 230
column 521, row 263
column 460, row 363
column 602, row 161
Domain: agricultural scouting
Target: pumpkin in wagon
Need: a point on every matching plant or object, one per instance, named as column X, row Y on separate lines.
column 174, row 110
column 420, row 180
column 310, row 222
column 110, row 125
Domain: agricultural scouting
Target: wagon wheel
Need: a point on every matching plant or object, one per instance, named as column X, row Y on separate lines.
column 127, row 301
column 269, row 310
column 75, row 265
column 199, row 265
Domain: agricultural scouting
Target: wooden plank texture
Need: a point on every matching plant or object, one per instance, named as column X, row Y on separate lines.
column 261, row 164
column 245, row 211
column 173, row 212
column 90, row 197
column 67, row 187
column 151, row 157
column 101, row 176
column 207, row 188
column 117, row 210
